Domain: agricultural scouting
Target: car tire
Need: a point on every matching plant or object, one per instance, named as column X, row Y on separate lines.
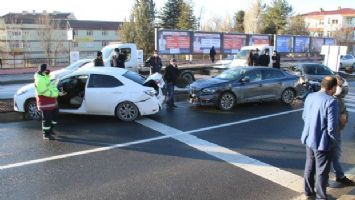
column 226, row 101
column 127, row 111
column 287, row 96
column 188, row 76
column 31, row 110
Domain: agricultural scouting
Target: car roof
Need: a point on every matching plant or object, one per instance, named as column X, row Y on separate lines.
column 99, row 70
column 253, row 67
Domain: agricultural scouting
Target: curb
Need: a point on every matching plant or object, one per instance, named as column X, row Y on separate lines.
column 15, row 82
column 11, row 117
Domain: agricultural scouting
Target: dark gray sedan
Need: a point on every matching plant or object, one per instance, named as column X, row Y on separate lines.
column 242, row 85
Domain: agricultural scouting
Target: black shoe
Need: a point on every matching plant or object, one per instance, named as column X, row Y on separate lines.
column 344, row 180
column 48, row 137
column 175, row 106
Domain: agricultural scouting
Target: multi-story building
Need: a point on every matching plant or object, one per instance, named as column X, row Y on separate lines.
column 27, row 39
column 339, row 24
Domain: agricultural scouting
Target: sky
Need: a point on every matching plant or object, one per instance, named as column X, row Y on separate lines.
column 119, row 10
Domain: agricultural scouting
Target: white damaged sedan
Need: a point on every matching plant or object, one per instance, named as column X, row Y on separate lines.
column 101, row 91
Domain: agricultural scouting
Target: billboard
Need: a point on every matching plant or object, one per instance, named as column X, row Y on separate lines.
column 301, row 44
column 316, row 44
column 203, row 42
column 329, row 41
column 259, row 39
column 284, row 43
column 174, row 42
column 232, row 43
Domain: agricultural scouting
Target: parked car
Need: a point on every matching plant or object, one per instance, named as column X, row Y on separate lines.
column 100, row 91
column 311, row 75
column 242, row 85
column 69, row 69
column 347, row 61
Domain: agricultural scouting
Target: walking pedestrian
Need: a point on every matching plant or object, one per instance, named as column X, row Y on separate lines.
column 264, row 59
column 46, row 97
column 343, row 120
column 212, row 54
column 0, row 63
column 256, row 57
column 99, row 62
column 275, row 60
column 170, row 76
column 154, row 62
column 319, row 134
column 250, row 58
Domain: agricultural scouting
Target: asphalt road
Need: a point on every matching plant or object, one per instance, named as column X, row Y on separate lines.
column 191, row 152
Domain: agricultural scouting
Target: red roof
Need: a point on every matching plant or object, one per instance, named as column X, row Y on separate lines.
column 342, row 11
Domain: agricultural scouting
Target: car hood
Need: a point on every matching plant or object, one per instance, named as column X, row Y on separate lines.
column 207, row 83
column 60, row 73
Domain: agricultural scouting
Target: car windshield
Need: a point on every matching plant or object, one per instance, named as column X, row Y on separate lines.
column 134, row 77
column 317, row 70
column 106, row 52
column 243, row 54
column 232, row 74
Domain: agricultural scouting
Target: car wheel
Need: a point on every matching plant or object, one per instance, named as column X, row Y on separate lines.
column 188, row 76
column 226, row 101
column 288, row 96
column 127, row 111
column 31, row 110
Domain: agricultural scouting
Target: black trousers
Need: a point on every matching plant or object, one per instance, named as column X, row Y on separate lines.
column 49, row 120
column 318, row 165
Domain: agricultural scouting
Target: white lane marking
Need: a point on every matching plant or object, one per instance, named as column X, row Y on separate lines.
column 78, row 153
column 350, row 104
column 350, row 97
column 264, row 170
column 350, row 110
column 349, row 100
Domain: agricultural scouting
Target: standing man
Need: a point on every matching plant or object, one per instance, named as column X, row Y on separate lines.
column 275, row 60
column 343, row 120
column 99, row 62
column 154, row 62
column 121, row 59
column 256, row 57
column 170, row 76
column 46, row 97
column 0, row 63
column 264, row 59
column 320, row 116
column 212, row 54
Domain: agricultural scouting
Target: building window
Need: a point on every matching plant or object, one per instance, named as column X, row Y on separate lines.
column 105, row 43
column 334, row 21
column 104, row 33
column 89, row 33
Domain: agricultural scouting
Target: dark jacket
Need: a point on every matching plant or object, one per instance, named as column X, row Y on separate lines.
column 154, row 63
column 255, row 59
column 171, row 74
column 121, row 60
column 264, row 60
column 212, row 52
column 98, row 62
column 276, row 61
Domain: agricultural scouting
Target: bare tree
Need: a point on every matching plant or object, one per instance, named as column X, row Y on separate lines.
column 253, row 19
column 344, row 37
column 51, row 37
column 212, row 24
column 296, row 26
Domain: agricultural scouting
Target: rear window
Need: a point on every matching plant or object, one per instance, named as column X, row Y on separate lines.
column 317, row 70
column 134, row 77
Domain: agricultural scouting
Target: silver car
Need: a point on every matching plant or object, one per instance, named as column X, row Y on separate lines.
column 242, row 85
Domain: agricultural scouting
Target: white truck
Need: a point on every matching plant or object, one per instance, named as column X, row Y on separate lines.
column 242, row 57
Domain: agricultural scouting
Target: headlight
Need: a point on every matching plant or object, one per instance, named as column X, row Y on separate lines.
column 151, row 92
column 209, row 90
column 21, row 91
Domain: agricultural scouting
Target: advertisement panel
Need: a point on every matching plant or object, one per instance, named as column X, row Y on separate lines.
column 301, row 44
column 174, row 42
column 259, row 40
column 329, row 41
column 316, row 44
column 284, row 43
column 232, row 43
column 203, row 42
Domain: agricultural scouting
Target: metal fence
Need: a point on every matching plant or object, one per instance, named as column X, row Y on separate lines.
column 12, row 63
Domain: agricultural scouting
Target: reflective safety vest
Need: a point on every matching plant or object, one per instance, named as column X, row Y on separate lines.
column 46, row 93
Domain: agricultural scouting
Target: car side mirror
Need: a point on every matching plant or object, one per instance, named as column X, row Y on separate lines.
column 341, row 57
column 245, row 80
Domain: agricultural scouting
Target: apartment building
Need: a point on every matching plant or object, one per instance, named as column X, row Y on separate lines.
column 29, row 38
column 339, row 23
